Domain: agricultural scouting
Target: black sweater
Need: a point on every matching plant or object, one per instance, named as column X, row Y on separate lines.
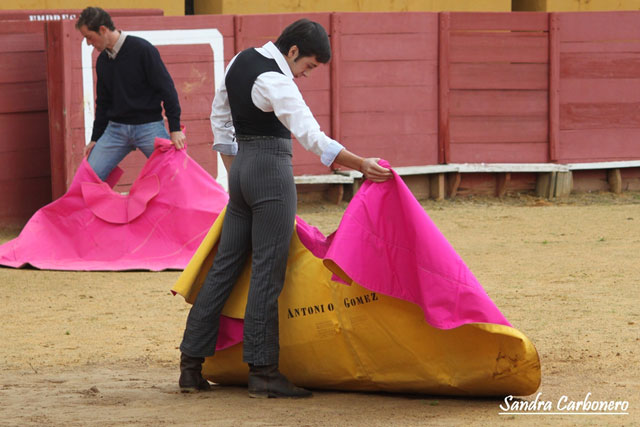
column 132, row 87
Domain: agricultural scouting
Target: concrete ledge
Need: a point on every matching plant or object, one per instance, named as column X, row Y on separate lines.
column 554, row 180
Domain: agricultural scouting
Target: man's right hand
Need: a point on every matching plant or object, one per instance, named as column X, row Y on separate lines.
column 88, row 148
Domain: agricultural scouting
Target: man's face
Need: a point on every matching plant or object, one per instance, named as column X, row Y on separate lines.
column 96, row 39
column 301, row 66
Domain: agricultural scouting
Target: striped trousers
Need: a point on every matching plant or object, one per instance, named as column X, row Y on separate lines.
column 259, row 222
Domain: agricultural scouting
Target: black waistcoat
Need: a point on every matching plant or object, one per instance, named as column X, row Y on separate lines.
column 247, row 118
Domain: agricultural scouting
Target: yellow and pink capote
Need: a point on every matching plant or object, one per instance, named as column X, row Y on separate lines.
column 382, row 304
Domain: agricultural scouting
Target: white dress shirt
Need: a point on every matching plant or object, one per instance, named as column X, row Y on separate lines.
column 273, row 91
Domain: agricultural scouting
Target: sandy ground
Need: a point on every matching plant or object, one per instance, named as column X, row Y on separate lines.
column 82, row 349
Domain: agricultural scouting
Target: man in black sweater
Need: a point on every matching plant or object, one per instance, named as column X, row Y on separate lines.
column 133, row 85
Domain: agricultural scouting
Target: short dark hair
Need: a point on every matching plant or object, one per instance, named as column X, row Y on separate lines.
column 310, row 37
column 94, row 18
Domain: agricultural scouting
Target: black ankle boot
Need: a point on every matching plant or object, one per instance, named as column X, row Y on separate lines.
column 191, row 374
column 267, row 381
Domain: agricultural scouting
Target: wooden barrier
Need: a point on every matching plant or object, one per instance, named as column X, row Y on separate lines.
column 599, row 86
column 494, row 87
column 418, row 89
column 25, row 174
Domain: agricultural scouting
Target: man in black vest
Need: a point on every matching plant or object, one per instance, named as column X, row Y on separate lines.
column 133, row 85
column 254, row 113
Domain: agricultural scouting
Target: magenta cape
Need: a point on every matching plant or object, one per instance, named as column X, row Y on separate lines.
column 387, row 243
column 158, row 225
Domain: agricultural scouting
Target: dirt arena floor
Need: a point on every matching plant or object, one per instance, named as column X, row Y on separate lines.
column 84, row 349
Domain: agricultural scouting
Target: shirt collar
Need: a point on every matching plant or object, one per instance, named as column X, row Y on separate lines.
column 271, row 51
column 116, row 47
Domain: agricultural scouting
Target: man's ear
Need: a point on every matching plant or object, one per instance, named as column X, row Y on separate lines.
column 293, row 53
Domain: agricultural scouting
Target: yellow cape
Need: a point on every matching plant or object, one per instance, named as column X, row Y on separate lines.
column 335, row 336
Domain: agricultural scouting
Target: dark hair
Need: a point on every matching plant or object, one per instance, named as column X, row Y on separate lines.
column 94, row 18
column 310, row 37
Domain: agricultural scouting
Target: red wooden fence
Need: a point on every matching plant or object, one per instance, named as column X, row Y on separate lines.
column 494, row 87
column 599, row 86
column 25, row 183
column 414, row 88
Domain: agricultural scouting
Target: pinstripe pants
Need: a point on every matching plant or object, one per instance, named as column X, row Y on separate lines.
column 259, row 221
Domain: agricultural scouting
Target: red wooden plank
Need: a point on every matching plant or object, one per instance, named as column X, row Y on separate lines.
column 599, row 26
column 22, row 42
column 616, row 65
column 499, row 103
column 15, row 207
column 531, row 152
column 600, row 46
column 598, row 145
column 22, row 67
column 599, row 90
column 24, row 131
column 554, row 86
column 499, row 47
column 444, row 88
column 599, row 115
column 174, row 54
column 392, row 73
column 393, row 23
column 390, row 47
column 499, row 76
column 32, row 163
column 223, row 23
column 63, row 160
column 498, row 129
column 388, row 123
column 335, row 92
column 20, row 97
column 383, row 98
column 405, row 150
column 515, row 21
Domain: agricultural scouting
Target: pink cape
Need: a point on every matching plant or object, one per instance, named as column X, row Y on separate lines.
column 387, row 243
column 158, row 225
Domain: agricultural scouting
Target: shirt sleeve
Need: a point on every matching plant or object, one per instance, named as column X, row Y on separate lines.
column 224, row 140
column 222, row 123
column 273, row 91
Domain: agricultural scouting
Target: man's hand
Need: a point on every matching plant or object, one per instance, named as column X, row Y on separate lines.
column 373, row 171
column 88, row 148
column 178, row 139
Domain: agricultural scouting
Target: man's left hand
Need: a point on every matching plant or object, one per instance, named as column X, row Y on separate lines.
column 178, row 139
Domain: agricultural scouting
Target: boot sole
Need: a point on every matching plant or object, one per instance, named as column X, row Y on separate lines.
column 276, row 396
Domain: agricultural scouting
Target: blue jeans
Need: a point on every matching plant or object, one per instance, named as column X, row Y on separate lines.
column 120, row 139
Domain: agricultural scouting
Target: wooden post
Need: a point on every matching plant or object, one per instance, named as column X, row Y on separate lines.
column 615, row 180
column 545, row 184
column 554, row 86
column 436, row 187
column 58, row 53
column 453, row 182
column 564, row 184
column 502, row 181
column 443, row 88
column 335, row 76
